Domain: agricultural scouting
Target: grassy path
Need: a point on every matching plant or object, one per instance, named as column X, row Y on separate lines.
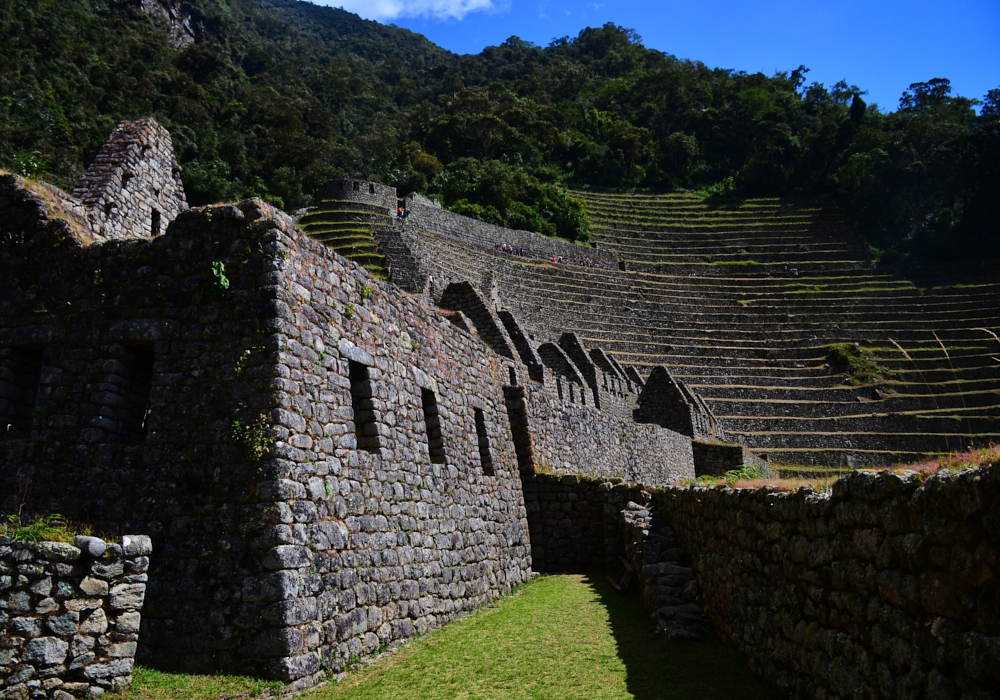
column 565, row 636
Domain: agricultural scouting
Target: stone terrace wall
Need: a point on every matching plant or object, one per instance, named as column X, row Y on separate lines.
column 133, row 188
column 69, row 622
column 478, row 234
column 885, row 589
column 575, row 521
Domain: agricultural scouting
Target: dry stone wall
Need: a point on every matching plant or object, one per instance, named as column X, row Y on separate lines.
column 580, row 439
column 886, row 588
column 69, row 622
column 380, row 543
column 666, row 581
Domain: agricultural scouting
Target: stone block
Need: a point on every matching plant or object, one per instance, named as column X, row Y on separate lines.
column 94, row 587
column 45, row 651
column 127, row 596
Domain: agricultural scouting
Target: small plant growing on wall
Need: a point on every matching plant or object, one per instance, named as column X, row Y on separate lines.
column 366, row 290
column 349, row 310
column 255, row 436
column 241, row 363
column 220, row 283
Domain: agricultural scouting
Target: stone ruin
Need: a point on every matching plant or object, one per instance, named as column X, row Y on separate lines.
column 133, row 188
column 325, row 464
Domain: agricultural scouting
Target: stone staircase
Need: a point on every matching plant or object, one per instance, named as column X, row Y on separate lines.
column 348, row 227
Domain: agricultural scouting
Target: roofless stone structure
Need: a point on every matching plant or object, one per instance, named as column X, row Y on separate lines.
column 324, row 463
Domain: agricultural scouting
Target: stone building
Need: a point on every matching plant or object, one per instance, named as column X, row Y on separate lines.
column 325, row 463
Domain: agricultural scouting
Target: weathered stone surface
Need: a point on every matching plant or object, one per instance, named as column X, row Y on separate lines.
column 45, row 651
column 94, row 586
column 127, row 596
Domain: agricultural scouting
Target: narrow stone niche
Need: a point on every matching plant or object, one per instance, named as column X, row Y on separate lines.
column 365, row 416
column 136, row 387
column 432, row 419
column 20, row 372
column 123, row 406
column 485, row 458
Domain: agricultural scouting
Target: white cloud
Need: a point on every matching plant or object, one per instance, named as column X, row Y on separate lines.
column 435, row 9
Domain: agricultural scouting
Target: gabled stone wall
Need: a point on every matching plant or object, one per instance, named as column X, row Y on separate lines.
column 133, row 188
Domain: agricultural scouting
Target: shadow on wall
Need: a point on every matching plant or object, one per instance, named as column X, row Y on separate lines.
column 657, row 669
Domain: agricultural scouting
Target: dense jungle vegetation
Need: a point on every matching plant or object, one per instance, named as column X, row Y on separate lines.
column 275, row 97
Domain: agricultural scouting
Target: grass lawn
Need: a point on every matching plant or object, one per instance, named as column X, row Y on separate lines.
column 568, row 636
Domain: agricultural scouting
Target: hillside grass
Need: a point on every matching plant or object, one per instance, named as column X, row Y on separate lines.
column 566, row 636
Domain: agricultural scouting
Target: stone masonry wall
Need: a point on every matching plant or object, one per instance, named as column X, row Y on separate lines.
column 575, row 520
column 666, row 582
column 69, row 622
column 363, row 192
column 886, row 588
column 370, row 544
column 578, row 439
column 133, row 188
column 207, row 387
column 479, row 234
column 716, row 458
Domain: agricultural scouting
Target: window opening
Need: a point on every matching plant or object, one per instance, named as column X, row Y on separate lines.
column 20, row 373
column 513, row 376
column 357, row 186
column 125, row 178
column 371, row 188
column 154, row 226
column 365, row 424
column 107, row 209
column 432, row 419
column 485, row 458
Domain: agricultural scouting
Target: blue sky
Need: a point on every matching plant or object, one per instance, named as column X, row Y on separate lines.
column 880, row 45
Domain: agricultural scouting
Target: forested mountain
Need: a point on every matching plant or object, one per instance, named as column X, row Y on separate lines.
column 274, row 97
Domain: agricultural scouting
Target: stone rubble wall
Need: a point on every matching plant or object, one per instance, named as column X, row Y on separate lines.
column 69, row 622
column 133, row 188
column 889, row 587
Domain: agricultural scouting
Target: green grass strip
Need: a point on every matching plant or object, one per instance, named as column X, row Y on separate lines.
column 569, row 636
